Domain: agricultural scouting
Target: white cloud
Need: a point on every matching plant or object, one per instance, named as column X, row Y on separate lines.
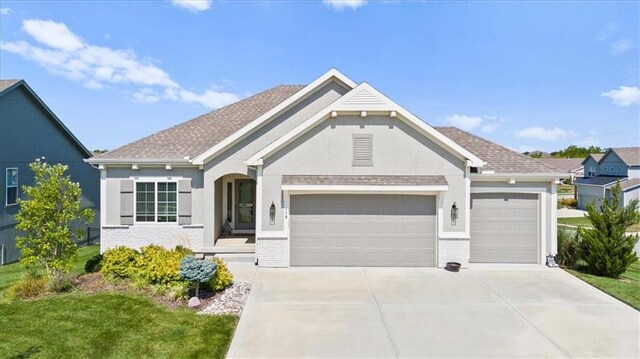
column 67, row 54
column 5, row 11
column 472, row 122
column 606, row 31
column 146, row 95
column 621, row 46
column 543, row 134
column 625, row 96
column 343, row 4
column 193, row 5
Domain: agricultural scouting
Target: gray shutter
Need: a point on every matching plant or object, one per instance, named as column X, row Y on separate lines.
column 126, row 202
column 363, row 149
column 184, row 201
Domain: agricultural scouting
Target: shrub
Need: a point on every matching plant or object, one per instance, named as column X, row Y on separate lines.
column 568, row 246
column 568, row 202
column 32, row 285
column 119, row 262
column 183, row 250
column 607, row 249
column 178, row 290
column 222, row 278
column 159, row 265
column 196, row 270
column 61, row 282
column 93, row 264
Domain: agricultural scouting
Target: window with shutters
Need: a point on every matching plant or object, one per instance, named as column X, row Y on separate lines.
column 363, row 149
column 156, row 202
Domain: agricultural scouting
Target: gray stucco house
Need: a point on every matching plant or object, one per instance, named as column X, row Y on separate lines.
column 333, row 173
column 31, row 130
column 603, row 171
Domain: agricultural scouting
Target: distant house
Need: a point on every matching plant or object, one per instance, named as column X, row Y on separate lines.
column 31, row 130
column 568, row 165
column 602, row 171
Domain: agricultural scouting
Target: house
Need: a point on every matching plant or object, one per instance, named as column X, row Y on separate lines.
column 333, row 173
column 573, row 166
column 31, row 130
column 603, row 171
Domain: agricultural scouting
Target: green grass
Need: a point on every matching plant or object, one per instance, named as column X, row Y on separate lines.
column 109, row 325
column 565, row 188
column 626, row 288
column 11, row 273
column 585, row 222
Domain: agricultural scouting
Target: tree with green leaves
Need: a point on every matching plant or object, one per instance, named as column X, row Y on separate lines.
column 51, row 218
column 607, row 249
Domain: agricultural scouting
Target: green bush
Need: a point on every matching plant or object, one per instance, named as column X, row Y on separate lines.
column 568, row 247
column 93, row 264
column 222, row 278
column 61, row 282
column 183, row 250
column 159, row 265
column 119, row 262
column 32, row 285
column 607, row 249
column 568, row 202
column 178, row 290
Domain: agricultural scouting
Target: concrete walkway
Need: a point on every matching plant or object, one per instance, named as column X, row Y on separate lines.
column 487, row 311
column 570, row 213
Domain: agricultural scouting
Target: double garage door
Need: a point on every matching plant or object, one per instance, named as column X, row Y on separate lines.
column 363, row 230
column 504, row 228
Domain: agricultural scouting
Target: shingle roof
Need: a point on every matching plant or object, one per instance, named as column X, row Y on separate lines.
column 499, row 159
column 563, row 164
column 602, row 181
column 630, row 183
column 630, row 155
column 194, row 137
column 5, row 84
column 596, row 156
column 364, row 180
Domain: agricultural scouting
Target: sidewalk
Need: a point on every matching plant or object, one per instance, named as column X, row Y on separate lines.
column 570, row 213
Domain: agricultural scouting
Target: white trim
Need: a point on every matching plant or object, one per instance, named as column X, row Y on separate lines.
column 491, row 176
column 130, row 161
column 285, row 105
column 385, row 107
column 103, row 200
column 155, row 199
column 259, row 204
column 16, row 186
column 554, row 218
column 428, row 190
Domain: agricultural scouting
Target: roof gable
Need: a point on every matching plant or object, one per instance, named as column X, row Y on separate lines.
column 7, row 86
column 629, row 155
column 363, row 99
column 595, row 156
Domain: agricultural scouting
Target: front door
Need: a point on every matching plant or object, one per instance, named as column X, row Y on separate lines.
column 245, row 204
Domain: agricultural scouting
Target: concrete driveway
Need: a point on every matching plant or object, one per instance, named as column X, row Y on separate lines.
column 486, row 311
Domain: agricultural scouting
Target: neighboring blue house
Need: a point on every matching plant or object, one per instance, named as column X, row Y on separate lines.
column 602, row 171
column 30, row 130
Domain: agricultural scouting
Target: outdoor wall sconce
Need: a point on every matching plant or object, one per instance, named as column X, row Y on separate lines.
column 454, row 213
column 272, row 214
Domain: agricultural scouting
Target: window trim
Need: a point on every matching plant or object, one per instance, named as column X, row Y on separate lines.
column 6, row 186
column 362, row 163
column 155, row 181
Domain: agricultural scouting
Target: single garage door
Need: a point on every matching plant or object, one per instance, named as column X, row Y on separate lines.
column 504, row 228
column 362, row 230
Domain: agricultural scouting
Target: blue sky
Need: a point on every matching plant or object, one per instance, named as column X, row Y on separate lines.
column 527, row 75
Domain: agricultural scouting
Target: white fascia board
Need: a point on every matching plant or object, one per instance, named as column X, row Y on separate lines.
column 130, row 161
column 285, row 105
column 341, row 105
column 520, row 176
column 297, row 189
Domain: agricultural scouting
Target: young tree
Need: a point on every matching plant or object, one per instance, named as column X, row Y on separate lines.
column 196, row 270
column 606, row 248
column 51, row 218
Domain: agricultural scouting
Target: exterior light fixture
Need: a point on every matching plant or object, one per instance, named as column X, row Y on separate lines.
column 454, row 213
column 272, row 214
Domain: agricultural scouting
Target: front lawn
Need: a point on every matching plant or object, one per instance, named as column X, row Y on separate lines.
column 13, row 272
column 626, row 288
column 585, row 222
column 115, row 325
column 565, row 188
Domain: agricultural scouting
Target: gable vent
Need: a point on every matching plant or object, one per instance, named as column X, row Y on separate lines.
column 364, row 97
column 363, row 150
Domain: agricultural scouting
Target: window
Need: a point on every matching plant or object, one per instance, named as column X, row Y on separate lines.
column 11, row 184
column 592, row 171
column 620, row 169
column 156, row 202
column 606, row 169
column 363, row 150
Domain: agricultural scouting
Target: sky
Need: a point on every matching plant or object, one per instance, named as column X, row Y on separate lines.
column 527, row 75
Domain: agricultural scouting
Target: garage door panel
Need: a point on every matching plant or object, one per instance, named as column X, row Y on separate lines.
column 504, row 228
column 362, row 230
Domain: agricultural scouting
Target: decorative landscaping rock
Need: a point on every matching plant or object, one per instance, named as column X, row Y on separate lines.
column 229, row 301
column 194, row 302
